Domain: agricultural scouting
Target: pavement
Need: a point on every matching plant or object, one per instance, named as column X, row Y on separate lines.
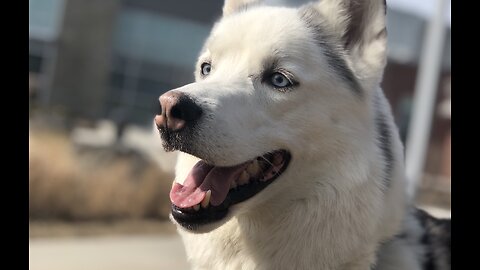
column 437, row 211
column 138, row 252
column 107, row 253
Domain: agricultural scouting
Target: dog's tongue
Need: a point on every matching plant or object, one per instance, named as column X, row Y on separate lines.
column 204, row 177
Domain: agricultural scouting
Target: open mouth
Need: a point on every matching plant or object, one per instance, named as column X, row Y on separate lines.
column 209, row 191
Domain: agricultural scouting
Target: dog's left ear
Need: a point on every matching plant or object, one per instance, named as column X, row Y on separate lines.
column 360, row 27
column 230, row 6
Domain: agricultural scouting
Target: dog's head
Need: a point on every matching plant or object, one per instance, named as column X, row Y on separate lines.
column 276, row 88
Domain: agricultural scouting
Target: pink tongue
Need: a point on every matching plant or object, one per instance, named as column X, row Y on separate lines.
column 204, row 177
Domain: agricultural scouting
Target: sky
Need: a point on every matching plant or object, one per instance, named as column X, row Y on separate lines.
column 424, row 8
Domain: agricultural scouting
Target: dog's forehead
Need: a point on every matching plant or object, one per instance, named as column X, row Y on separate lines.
column 259, row 30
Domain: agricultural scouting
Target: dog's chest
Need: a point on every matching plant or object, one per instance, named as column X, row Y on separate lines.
column 217, row 250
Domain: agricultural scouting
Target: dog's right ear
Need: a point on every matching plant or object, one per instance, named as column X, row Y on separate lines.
column 231, row 6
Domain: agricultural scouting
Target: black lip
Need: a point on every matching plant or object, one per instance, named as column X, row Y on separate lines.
column 191, row 219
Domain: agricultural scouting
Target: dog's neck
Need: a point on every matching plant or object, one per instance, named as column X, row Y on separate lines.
column 332, row 237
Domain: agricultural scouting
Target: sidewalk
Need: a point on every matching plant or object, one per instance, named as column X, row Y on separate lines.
column 108, row 253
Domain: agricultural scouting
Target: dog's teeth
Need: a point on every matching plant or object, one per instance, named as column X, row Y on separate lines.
column 196, row 207
column 206, row 201
column 253, row 168
column 263, row 164
column 233, row 184
column 277, row 159
column 243, row 179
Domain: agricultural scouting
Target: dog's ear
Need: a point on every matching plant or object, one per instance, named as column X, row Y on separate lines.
column 360, row 27
column 230, row 6
column 359, row 22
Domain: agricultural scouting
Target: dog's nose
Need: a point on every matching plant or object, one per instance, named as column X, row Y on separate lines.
column 177, row 111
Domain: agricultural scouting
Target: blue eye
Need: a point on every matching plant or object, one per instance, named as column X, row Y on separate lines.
column 205, row 69
column 279, row 80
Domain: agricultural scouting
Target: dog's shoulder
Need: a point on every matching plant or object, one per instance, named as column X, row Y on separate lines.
column 424, row 244
column 436, row 240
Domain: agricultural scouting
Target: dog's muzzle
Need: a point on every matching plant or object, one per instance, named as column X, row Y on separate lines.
column 178, row 114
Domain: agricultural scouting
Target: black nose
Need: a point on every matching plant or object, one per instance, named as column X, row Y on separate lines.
column 177, row 111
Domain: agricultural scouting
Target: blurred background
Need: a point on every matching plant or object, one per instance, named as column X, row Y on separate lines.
column 99, row 179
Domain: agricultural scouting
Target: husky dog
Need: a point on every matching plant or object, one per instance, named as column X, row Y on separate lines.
column 289, row 156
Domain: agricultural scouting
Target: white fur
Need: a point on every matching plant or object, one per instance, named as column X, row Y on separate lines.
column 331, row 208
